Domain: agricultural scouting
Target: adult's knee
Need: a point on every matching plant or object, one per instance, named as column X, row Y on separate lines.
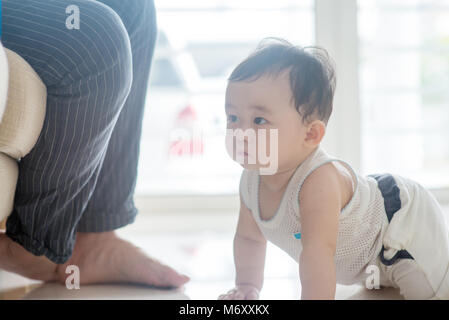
column 60, row 53
column 100, row 46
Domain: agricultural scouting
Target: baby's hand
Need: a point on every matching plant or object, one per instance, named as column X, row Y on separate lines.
column 241, row 292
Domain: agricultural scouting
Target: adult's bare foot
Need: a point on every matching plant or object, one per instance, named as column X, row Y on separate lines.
column 101, row 258
column 104, row 257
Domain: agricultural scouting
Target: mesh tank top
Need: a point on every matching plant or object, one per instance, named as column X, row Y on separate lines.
column 362, row 221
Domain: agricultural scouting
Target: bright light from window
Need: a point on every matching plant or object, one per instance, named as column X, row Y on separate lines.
column 405, row 88
column 200, row 42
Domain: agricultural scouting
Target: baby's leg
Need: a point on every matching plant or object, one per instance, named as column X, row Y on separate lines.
column 411, row 280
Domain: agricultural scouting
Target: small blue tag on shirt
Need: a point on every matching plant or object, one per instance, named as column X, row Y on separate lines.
column 297, row 235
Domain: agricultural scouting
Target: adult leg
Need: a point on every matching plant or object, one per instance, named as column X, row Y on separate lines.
column 59, row 176
column 88, row 77
column 112, row 204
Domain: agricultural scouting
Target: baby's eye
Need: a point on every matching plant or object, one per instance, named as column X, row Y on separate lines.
column 232, row 118
column 260, row 120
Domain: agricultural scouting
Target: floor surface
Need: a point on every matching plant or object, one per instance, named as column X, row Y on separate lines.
column 200, row 246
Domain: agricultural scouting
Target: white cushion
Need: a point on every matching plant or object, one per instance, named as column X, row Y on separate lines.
column 25, row 108
column 9, row 171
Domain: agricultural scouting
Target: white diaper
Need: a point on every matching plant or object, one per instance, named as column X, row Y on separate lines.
column 419, row 227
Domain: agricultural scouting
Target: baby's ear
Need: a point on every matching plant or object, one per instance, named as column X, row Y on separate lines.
column 315, row 133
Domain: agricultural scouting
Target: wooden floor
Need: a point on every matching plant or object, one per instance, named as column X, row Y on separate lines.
column 200, row 246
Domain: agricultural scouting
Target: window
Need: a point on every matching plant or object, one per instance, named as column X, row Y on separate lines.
column 391, row 106
column 199, row 43
column 404, row 88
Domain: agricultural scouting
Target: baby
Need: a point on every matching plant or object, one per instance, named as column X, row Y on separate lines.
column 380, row 230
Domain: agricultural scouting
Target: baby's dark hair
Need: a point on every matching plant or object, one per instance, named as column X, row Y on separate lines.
column 312, row 74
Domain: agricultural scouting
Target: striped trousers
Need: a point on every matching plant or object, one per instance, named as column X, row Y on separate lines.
column 81, row 174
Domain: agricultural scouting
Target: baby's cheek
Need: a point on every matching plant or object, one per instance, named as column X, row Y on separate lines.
column 275, row 145
column 285, row 150
column 267, row 147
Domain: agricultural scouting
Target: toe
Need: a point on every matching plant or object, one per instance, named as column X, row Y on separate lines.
column 172, row 278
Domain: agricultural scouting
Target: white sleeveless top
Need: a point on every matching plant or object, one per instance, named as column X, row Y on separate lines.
column 361, row 223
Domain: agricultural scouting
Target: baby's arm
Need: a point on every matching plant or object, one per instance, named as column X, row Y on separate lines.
column 249, row 258
column 320, row 205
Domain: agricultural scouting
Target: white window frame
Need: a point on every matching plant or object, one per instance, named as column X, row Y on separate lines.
column 336, row 31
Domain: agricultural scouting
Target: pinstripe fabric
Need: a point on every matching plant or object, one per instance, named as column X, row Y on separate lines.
column 120, row 165
column 81, row 173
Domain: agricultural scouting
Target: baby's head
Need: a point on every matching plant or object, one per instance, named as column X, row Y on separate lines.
column 283, row 87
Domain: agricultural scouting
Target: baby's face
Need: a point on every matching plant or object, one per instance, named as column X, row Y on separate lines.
column 265, row 103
